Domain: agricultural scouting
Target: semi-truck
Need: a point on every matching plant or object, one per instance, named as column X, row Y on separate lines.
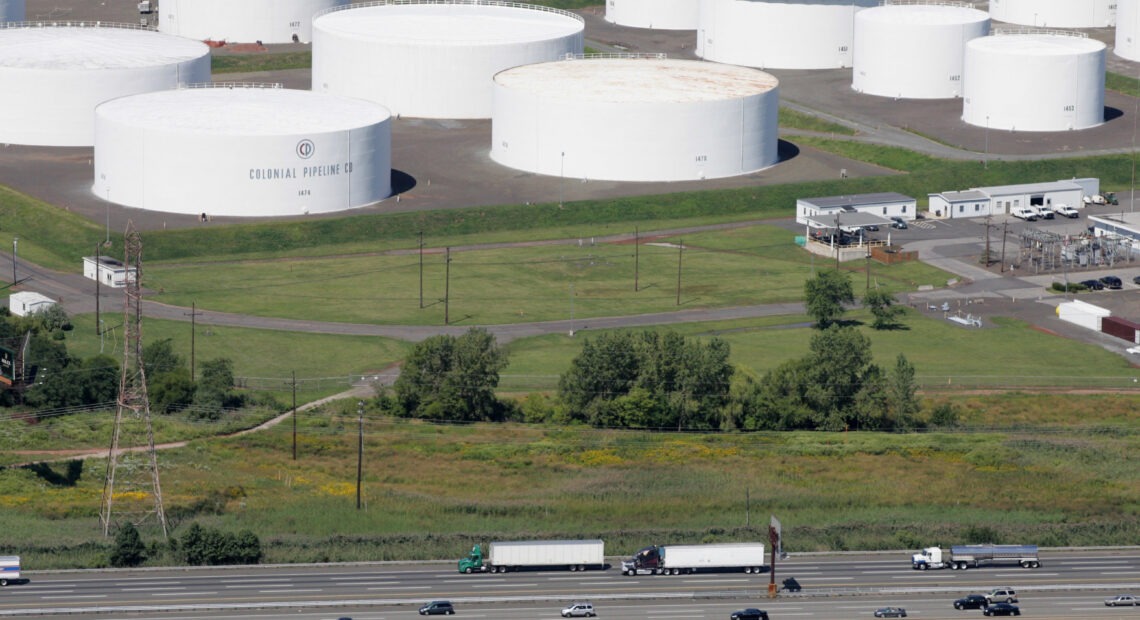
column 685, row 559
column 962, row 557
column 501, row 557
column 9, row 569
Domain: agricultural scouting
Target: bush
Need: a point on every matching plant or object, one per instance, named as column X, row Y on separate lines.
column 129, row 550
column 214, row 547
column 1071, row 287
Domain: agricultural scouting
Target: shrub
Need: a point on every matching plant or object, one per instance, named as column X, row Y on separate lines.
column 129, row 549
column 214, row 547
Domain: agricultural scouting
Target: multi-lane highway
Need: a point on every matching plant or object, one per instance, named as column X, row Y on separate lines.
column 1068, row 585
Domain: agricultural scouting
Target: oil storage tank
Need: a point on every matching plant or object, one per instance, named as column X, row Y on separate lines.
column 657, row 14
column 1034, row 81
column 779, row 34
column 1056, row 13
column 635, row 119
column 242, row 151
column 1128, row 29
column 268, row 21
column 52, row 76
column 934, row 37
column 435, row 59
column 12, row 10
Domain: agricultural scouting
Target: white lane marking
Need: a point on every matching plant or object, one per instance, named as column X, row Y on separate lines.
column 181, row 593
column 827, row 579
column 403, row 588
column 77, row 596
column 148, row 589
column 260, row 579
column 507, row 585
column 718, row 581
column 1120, row 572
column 290, row 590
column 157, row 583
column 55, row 592
column 1016, row 575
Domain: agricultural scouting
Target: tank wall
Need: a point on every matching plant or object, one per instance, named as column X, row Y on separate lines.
column 178, row 172
column 1021, row 92
column 657, row 14
column 12, row 11
column 1128, row 29
column 1056, row 13
column 779, row 35
column 424, row 81
column 931, row 68
column 56, row 107
column 268, row 21
column 634, row 141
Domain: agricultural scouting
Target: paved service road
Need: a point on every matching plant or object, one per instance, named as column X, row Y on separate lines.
column 1082, row 576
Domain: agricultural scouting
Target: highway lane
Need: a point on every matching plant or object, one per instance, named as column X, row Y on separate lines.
column 406, row 585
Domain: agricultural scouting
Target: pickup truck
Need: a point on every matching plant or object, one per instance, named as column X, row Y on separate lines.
column 1029, row 215
column 1066, row 211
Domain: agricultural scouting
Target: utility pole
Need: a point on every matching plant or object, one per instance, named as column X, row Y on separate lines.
column 571, row 309
column 193, row 335
column 421, row 270
column 867, row 289
column 98, row 330
column 988, row 255
column 1004, row 225
column 294, row 415
column 680, row 253
column 447, row 287
column 835, row 241
column 359, row 449
column 636, row 258
column 15, row 241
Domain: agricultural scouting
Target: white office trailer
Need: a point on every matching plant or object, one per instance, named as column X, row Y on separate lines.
column 435, row 60
column 934, row 38
column 241, row 151
column 12, row 11
column 108, row 271
column 242, row 21
column 635, row 119
column 27, row 303
column 1056, row 13
column 826, row 211
column 52, row 76
column 655, row 14
column 1034, row 81
column 779, row 34
column 1002, row 199
column 1128, row 29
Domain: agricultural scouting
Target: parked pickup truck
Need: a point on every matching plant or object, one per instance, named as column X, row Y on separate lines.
column 1066, row 211
column 1027, row 214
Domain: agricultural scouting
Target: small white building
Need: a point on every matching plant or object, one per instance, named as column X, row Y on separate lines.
column 27, row 303
column 108, row 271
column 1001, row 199
column 1081, row 313
column 885, row 205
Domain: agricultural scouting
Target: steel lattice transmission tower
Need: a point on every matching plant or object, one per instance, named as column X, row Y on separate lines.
column 131, row 491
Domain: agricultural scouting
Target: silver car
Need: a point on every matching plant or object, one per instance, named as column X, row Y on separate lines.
column 579, row 609
column 1122, row 600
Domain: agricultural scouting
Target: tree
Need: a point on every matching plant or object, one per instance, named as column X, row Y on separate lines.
column 100, row 379
column 170, row 391
column 214, row 392
column 883, row 309
column 452, row 378
column 902, row 401
column 129, row 549
column 159, row 358
column 825, row 295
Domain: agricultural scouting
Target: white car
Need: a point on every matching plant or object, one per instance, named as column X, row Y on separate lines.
column 579, row 609
column 1029, row 215
column 1133, row 350
column 1066, row 211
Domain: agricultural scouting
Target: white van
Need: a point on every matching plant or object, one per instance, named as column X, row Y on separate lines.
column 1025, row 213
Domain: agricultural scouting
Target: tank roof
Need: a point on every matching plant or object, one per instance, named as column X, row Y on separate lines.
column 93, row 47
column 242, row 111
column 450, row 24
column 638, row 80
column 1037, row 44
column 924, row 14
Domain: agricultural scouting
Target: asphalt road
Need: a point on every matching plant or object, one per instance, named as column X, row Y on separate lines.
column 1069, row 583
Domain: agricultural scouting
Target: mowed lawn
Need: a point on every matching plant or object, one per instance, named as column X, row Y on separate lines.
column 753, row 265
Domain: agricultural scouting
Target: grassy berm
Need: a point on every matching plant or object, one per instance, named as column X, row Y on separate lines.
column 1010, row 471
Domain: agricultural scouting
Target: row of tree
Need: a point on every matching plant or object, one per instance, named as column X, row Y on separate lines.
column 665, row 381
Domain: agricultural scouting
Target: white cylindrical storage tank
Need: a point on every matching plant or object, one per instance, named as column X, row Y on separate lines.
column 779, row 34
column 1042, row 81
column 656, row 14
column 635, row 119
column 12, row 11
column 934, row 37
column 435, row 60
column 268, row 21
column 1055, row 13
column 52, row 77
column 1128, row 29
column 242, row 152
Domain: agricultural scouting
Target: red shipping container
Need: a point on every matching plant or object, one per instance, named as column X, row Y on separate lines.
column 1121, row 328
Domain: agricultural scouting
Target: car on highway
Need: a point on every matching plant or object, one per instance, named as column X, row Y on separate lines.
column 971, row 601
column 1002, row 609
column 579, row 610
column 749, row 614
column 1093, row 285
column 1121, row 601
column 1112, row 282
column 437, row 608
column 890, row 612
column 1001, row 595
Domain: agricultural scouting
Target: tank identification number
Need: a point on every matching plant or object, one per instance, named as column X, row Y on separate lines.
column 702, row 158
column 1070, row 108
column 304, row 192
column 294, row 24
column 955, row 78
column 843, row 49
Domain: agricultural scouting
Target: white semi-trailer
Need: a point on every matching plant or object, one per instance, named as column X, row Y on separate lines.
column 558, row 554
column 9, row 569
column 685, row 559
column 962, row 557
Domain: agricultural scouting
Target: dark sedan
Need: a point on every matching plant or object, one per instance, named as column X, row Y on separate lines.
column 1112, row 282
column 1002, row 609
column 1093, row 285
column 973, row 601
column 890, row 612
column 750, row 614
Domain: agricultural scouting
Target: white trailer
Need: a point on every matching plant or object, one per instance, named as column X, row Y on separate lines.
column 9, row 569
column 501, row 557
column 962, row 557
column 685, row 559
